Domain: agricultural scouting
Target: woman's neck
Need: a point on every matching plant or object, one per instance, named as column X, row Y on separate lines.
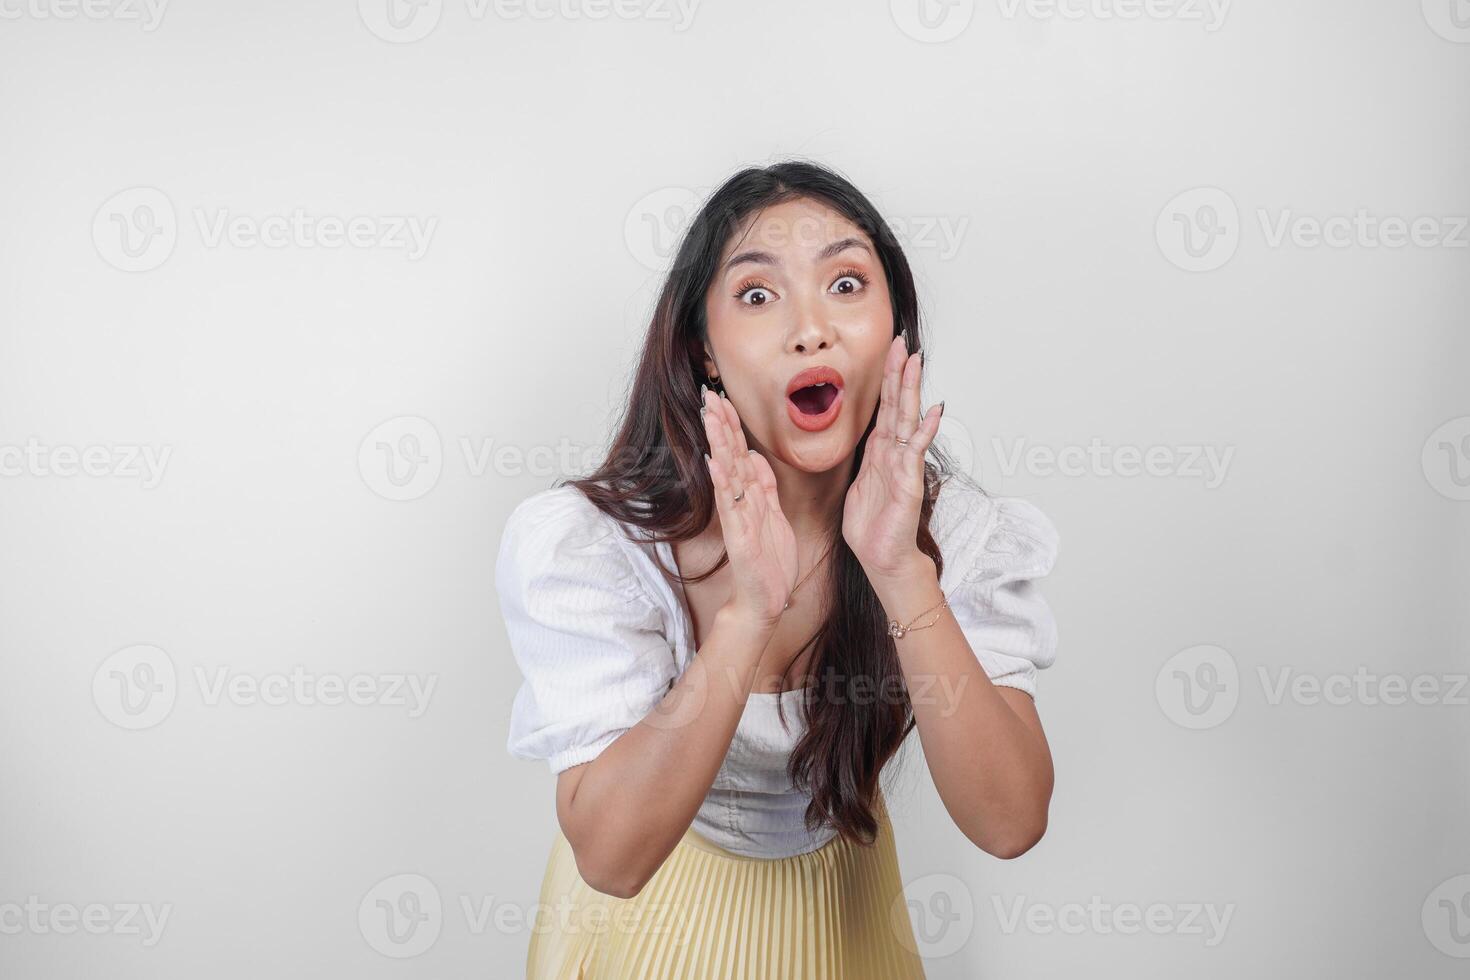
column 812, row 502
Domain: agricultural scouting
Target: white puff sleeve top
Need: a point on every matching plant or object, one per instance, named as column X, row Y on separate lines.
column 590, row 640
column 600, row 636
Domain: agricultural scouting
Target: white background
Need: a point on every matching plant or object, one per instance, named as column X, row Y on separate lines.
column 1043, row 163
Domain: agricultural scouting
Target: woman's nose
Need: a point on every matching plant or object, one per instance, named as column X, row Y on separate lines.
column 813, row 331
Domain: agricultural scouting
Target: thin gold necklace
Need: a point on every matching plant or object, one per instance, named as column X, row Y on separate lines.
column 801, row 581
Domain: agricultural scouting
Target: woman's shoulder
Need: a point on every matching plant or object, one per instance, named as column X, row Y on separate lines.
column 566, row 504
column 967, row 522
column 562, row 523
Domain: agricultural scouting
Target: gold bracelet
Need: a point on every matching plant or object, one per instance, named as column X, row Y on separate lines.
column 897, row 630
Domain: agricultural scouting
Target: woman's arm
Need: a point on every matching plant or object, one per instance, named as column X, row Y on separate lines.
column 624, row 811
column 984, row 743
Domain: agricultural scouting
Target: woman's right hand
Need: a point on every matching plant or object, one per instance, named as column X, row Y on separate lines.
column 758, row 538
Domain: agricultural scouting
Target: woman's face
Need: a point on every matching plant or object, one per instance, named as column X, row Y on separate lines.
column 800, row 287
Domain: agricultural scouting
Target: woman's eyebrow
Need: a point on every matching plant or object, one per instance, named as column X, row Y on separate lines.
column 756, row 257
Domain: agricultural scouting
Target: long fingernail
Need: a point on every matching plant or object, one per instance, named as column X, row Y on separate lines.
column 941, row 408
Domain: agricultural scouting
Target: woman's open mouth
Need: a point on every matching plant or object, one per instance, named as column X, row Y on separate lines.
column 814, row 398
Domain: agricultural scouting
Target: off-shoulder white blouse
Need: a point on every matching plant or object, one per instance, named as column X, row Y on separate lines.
column 600, row 636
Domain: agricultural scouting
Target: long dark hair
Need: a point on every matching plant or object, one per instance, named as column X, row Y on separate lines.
column 654, row 477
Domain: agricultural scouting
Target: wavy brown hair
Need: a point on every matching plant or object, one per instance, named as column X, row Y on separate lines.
column 654, row 477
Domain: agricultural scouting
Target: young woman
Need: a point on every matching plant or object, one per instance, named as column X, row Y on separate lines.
column 718, row 738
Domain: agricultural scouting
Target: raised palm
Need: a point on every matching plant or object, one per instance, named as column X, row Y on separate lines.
column 758, row 538
column 880, row 517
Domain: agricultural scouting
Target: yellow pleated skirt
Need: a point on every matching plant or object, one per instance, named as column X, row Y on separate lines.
column 836, row 913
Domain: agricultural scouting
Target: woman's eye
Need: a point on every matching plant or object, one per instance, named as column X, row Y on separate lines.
column 849, row 282
column 754, row 295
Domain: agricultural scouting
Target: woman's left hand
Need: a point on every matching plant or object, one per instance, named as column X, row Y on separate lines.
column 880, row 518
